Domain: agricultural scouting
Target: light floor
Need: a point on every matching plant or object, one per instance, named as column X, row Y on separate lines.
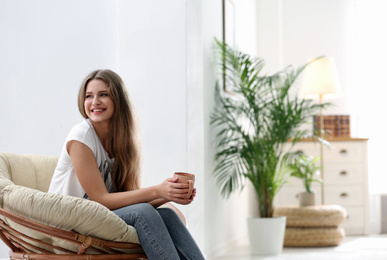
column 352, row 248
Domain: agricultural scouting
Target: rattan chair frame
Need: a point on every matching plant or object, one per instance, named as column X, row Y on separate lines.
column 22, row 249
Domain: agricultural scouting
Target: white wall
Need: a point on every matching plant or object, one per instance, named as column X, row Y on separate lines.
column 48, row 47
column 349, row 31
column 225, row 220
column 153, row 65
column 293, row 31
column 152, row 47
column 164, row 50
column 367, row 83
column 46, row 55
column 320, row 29
column 195, row 117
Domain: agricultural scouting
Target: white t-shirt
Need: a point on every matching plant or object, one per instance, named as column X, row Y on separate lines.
column 65, row 181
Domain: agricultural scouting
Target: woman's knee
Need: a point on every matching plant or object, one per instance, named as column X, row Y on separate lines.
column 136, row 211
column 144, row 210
column 167, row 211
column 168, row 214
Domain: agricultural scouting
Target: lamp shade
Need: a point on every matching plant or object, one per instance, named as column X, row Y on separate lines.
column 320, row 79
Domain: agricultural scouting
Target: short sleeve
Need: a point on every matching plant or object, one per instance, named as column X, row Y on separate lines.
column 83, row 134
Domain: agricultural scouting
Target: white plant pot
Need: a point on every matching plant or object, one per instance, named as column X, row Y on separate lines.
column 266, row 235
column 307, row 199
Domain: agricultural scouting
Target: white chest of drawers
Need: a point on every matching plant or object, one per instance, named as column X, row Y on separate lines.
column 345, row 181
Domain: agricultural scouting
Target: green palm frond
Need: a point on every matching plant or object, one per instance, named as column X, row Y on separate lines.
column 253, row 121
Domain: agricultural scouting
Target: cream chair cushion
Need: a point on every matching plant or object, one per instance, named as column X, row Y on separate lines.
column 33, row 172
column 68, row 213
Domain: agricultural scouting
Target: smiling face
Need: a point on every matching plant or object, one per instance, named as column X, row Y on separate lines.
column 99, row 106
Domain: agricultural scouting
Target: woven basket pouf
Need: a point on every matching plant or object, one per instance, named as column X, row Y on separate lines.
column 313, row 226
column 312, row 216
column 313, row 237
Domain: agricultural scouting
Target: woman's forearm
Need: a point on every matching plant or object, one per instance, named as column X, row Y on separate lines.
column 121, row 199
column 158, row 202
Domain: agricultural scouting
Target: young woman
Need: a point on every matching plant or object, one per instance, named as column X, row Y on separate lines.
column 100, row 161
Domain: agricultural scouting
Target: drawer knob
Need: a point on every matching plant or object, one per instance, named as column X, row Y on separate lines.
column 344, row 195
column 343, row 151
column 343, row 173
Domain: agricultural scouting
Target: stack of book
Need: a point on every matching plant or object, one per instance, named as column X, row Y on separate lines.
column 333, row 125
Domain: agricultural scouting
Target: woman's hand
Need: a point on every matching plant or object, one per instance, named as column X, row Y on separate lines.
column 190, row 199
column 176, row 192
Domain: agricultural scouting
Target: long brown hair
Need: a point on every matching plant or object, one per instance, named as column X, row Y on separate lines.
column 124, row 140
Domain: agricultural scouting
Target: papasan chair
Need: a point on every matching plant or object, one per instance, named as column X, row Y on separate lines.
column 35, row 224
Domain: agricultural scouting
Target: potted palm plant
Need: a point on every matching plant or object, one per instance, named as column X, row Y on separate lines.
column 254, row 119
column 304, row 168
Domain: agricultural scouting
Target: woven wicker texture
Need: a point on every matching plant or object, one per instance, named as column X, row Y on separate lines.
column 312, row 216
column 313, row 237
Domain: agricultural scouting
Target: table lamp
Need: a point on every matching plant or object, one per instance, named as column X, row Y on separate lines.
column 321, row 80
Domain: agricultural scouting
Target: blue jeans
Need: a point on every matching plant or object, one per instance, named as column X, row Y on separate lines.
column 161, row 232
